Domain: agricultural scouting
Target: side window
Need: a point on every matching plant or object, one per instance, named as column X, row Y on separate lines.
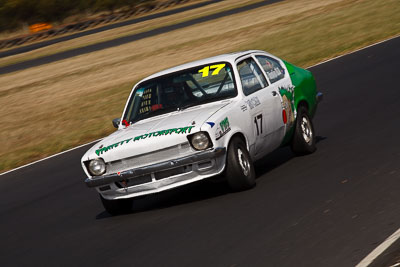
column 272, row 68
column 251, row 76
column 146, row 98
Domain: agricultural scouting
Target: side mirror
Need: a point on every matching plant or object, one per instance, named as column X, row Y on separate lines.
column 116, row 122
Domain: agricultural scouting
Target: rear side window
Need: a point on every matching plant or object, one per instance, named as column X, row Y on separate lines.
column 272, row 68
column 251, row 76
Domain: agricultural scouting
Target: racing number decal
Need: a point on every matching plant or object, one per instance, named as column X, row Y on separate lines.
column 258, row 123
column 217, row 68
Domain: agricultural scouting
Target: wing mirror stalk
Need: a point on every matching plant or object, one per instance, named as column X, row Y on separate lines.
column 116, row 122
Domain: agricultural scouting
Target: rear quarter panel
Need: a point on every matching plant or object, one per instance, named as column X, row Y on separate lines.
column 305, row 87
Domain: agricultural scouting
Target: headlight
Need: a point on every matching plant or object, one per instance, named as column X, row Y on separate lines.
column 200, row 141
column 97, row 167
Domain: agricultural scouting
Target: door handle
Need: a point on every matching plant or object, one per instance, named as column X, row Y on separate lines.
column 274, row 93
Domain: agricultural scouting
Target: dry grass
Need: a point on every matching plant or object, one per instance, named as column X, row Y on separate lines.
column 127, row 30
column 88, row 15
column 53, row 107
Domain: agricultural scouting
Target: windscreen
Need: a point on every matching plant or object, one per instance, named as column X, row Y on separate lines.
column 180, row 90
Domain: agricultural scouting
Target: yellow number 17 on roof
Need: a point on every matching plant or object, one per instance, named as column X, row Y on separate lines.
column 217, row 68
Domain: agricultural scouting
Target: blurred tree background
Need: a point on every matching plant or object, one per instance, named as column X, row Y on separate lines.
column 16, row 13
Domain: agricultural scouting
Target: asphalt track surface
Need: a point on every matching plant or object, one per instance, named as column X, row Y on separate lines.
column 127, row 39
column 31, row 47
column 330, row 208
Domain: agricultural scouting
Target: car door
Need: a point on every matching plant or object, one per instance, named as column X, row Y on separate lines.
column 279, row 80
column 264, row 108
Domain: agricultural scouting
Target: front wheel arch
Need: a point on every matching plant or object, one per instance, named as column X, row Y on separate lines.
column 239, row 169
column 241, row 136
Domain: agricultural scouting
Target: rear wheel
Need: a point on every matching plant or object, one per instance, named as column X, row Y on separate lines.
column 304, row 136
column 118, row 206
column 239, row 170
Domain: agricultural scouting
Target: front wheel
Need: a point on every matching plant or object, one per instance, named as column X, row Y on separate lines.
column 239, row 170
column 304, row 136
column 118, row 206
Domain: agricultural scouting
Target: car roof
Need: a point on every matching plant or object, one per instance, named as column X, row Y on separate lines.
column 230, row 57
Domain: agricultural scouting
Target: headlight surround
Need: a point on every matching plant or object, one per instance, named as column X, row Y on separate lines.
column 200, row 141
column 97, row 167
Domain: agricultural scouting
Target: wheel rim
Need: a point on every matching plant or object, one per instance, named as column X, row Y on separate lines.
column 306, row 129
column 244, row 162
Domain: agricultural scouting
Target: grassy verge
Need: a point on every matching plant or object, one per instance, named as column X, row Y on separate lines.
column 338, row 29
column 79, row 14
column 54, row 107
column 127, row 30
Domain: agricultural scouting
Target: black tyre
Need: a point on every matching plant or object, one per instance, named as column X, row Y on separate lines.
column 304, row 136
column 118, row 206
column 239, row 170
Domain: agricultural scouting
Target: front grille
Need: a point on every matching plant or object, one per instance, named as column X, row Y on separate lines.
column 171, row 172
column 138, row 180
column 135, row 181
column 158, row 156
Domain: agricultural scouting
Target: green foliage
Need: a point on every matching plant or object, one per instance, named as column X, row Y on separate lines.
column 15, row 13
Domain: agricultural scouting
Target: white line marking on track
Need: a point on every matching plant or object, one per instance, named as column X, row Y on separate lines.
column 379, row 250
column 355, row 51
column 49, row 157
column 320, row 63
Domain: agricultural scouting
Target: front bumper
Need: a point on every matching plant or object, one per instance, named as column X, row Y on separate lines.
column 152, row 170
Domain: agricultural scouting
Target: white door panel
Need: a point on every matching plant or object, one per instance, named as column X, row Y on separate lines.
column 264, row 106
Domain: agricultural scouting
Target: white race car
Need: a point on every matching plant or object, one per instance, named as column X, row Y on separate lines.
column 202, row 119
